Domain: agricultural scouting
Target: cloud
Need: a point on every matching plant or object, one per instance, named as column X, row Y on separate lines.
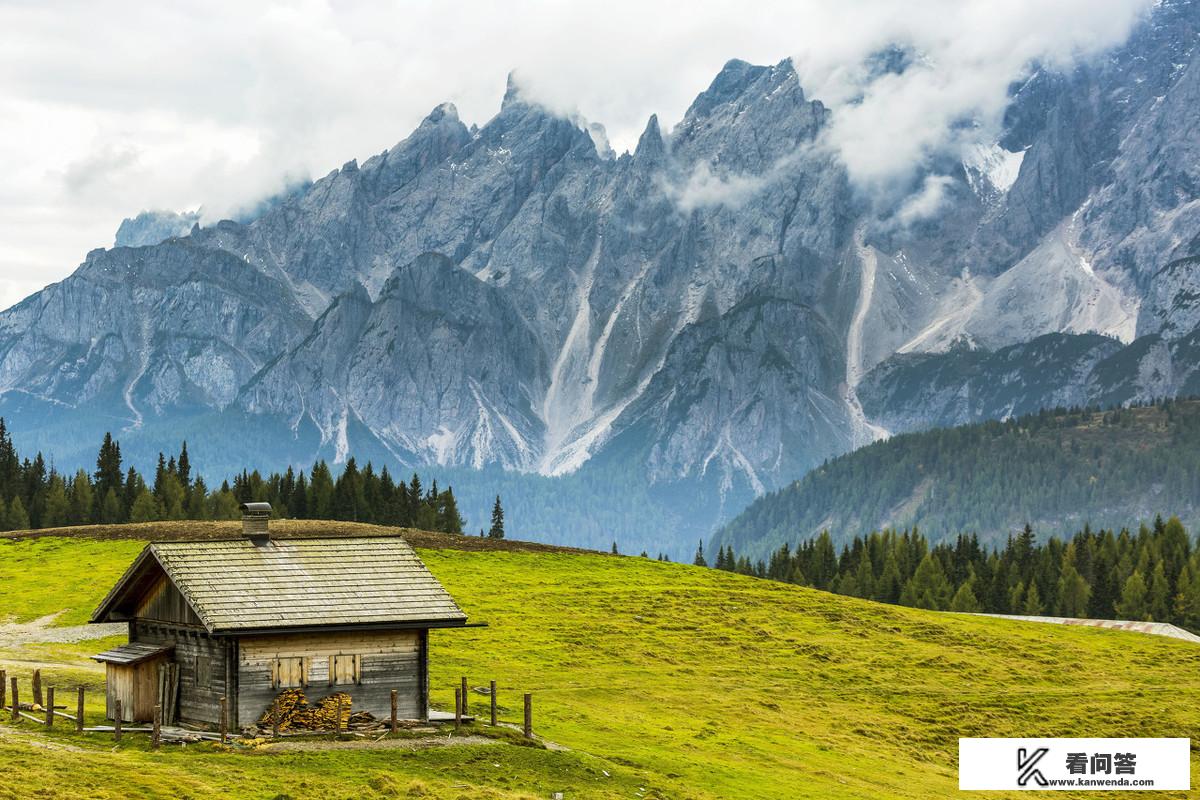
column 926, row 201
column 703, row 188
column 888, row 126
column 222, row 103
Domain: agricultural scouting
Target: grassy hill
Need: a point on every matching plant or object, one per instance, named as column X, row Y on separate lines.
column 660, row 680
column 1055, row 470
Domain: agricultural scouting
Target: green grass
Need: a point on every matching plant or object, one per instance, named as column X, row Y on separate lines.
column 677, row 681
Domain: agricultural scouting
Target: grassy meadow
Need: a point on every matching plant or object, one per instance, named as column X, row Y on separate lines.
column 660, row 680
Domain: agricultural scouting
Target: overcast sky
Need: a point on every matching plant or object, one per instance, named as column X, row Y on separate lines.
column 111, row 108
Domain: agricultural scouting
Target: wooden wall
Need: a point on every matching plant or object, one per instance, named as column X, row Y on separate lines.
column 136, row 686
column 387, row 660
column 204, row 663
column 165, row 603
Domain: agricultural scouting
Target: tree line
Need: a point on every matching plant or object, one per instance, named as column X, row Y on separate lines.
column 1152, row 574
column 35, row 495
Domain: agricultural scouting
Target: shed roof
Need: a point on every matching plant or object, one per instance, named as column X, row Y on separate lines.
column 239, row 586
column 132, row 653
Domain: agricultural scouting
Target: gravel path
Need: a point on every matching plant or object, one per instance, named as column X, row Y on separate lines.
column 16, row 634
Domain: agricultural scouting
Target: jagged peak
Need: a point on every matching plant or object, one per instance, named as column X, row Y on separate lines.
column 512, row 92
column 444, row 111
column 650, row 143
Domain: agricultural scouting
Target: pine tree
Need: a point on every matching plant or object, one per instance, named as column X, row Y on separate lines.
column 497, row 529
column 16, row 518
column 108, row 468
column 448, row 518
column 110, row 508
column 698, row 561
column 1158, row 594
column 1133, row 604
column 615, row 552
column 1187, row 599
column 928, row 587
column 1032, row 606
column 58, row 506
column 320, row 492
column 82, row 502
column 1073, row 591
column 184, row 470
column 145, row 509
column 964, row 599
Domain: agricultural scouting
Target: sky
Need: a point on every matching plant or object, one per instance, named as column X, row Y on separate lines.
column 110, row 108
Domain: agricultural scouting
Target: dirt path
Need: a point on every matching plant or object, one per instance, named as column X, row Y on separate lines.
column 41, row 630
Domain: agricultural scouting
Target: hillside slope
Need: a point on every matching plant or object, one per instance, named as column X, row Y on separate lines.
column 1055, row 470
column 663, row 680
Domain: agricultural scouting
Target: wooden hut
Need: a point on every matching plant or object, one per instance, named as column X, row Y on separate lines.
column 245, row 618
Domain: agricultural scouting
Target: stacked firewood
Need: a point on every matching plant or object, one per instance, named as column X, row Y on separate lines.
column 297, row 714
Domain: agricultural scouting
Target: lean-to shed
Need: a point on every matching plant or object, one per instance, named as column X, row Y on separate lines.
column 245, row 618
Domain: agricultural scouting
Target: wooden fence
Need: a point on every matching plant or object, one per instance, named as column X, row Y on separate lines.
column 44, row 711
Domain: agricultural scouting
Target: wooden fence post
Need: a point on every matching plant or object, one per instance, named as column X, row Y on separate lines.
column 16, row 712
column 275, row 717
column 79, row 712
column 528, row 716
column 457, row 708
column 395, row 725
column 156, row 731
column 224, row 719
column 493, row 704
column 50, row 707
column 37, row 687
column 3, row 687
column 464, row 695
column 116, row 720
column 337, row 721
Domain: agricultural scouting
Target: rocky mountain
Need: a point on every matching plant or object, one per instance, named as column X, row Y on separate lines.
column 715, row 312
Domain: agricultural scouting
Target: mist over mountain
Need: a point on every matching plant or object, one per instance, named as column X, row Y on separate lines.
column 707, row 317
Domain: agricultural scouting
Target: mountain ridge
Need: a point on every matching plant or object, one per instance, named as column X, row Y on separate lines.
column 595, row 312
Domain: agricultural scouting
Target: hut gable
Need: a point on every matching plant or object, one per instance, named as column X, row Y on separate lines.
column 240, row 586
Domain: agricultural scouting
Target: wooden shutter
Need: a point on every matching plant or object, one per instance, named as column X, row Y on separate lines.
column 289, row 673
column 345, row 669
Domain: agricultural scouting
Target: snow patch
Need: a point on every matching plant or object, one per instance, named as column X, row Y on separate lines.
column 991, row 169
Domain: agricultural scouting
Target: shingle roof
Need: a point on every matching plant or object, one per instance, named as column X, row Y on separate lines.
column 132, row 653
column 237, row 585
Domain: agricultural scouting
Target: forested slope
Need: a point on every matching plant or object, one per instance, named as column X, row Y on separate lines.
column 1056, row 470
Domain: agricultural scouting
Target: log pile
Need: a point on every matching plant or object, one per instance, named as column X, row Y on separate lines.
column 297, row 714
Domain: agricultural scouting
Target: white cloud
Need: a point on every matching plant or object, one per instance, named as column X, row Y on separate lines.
column 704, row 188
column 926, row 201
column 116, row 107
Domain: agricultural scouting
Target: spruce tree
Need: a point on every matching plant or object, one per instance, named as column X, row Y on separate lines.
column 1073, row 593
column 1133, row 604
column 497, row 529
column 58, row 506
column 699, row 560
column 1158, row 594
column 1032, row 606
column 448, row 518
column 964, row 599
column 144, row 507
column 16, row 518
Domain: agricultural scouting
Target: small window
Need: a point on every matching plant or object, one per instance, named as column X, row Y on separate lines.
column 289, row 673
column 345, row 669
column 203, row 670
